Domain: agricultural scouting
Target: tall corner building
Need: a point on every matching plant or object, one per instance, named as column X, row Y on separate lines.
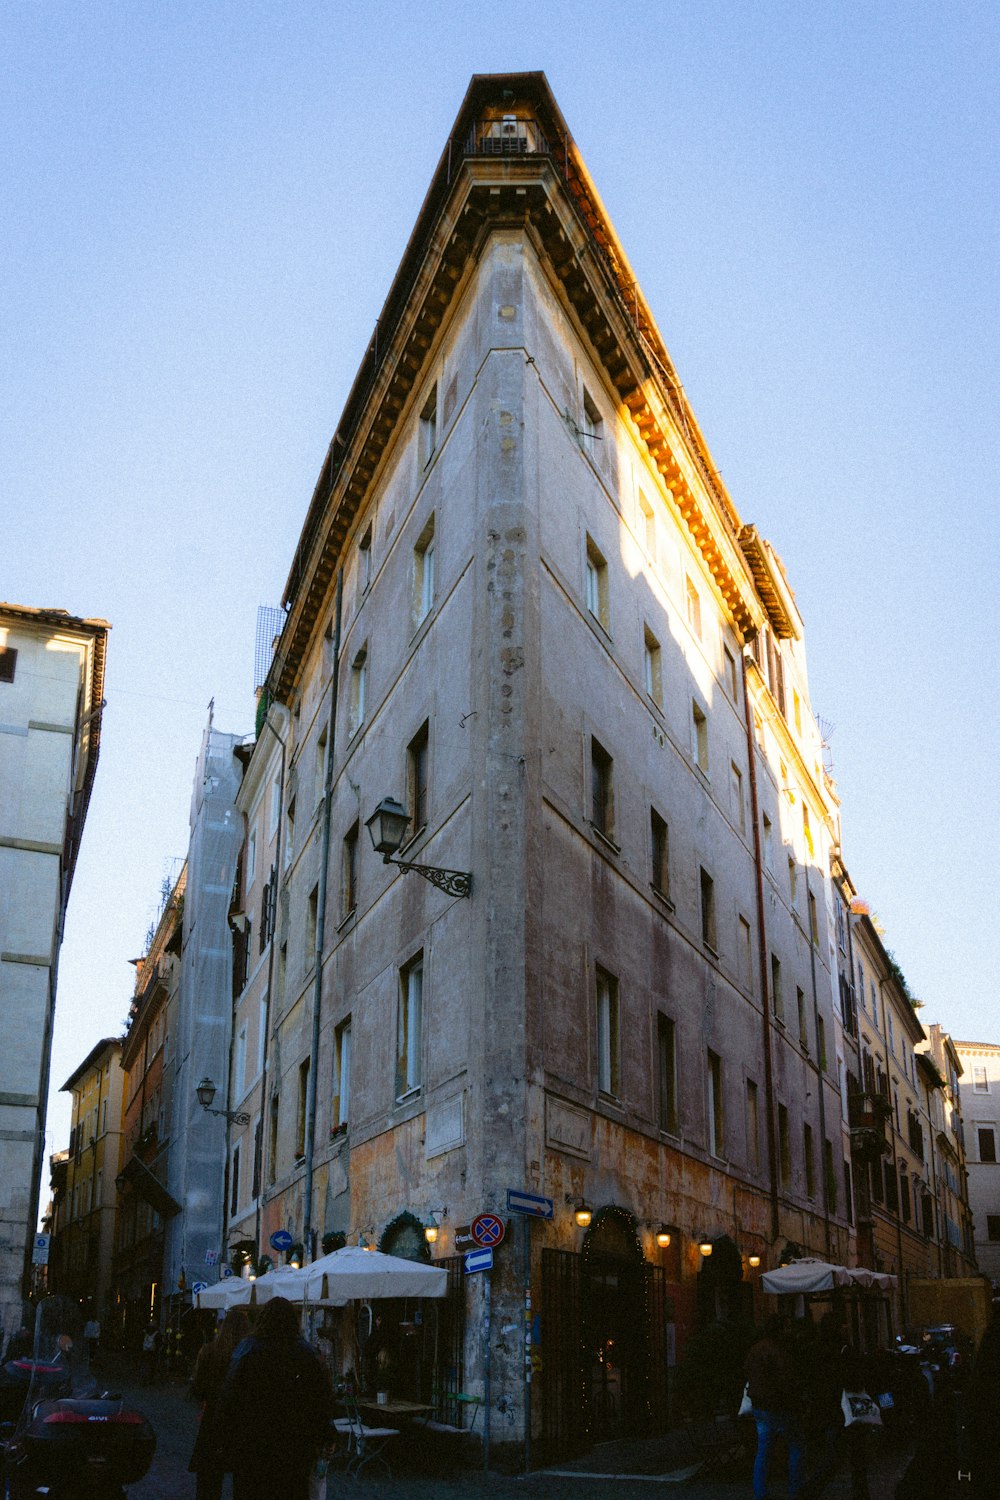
column 524, row 606
column 51, row 697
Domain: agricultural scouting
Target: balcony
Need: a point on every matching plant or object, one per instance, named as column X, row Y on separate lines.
column 510, row 135
column 867, row 1114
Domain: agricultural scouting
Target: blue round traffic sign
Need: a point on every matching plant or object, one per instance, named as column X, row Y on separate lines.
column 281, row 1240
column 487, row 1230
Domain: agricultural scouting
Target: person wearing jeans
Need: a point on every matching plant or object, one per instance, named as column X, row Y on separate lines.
column 776, row 1396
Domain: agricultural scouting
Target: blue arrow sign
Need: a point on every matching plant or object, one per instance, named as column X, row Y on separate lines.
column 528, row 1203
column 281, row 1240
column 199, row 1286
column 478, row 1260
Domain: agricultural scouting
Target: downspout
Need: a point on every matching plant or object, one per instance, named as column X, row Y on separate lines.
column 311, row 1087
column 819, row 1074
column 259, row 1154
column 772, row 1153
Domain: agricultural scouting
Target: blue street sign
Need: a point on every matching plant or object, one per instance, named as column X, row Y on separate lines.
column 281, row 1240
column 528, row 1203
column 478, row 1260
column 199, row 1286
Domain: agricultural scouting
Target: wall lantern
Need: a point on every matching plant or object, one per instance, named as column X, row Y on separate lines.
column 582, row 1211
column 664, row 1234
column 433, row 1229
column 753, row 1260
column 387, row 827
column 704, row 1245
column 206, row 1092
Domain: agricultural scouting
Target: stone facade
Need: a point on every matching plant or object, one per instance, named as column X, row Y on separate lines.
column 980, row 1103
column 51, row 697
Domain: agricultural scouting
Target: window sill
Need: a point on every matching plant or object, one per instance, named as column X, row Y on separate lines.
column 662, row 897
column 608, row 842
column 348, row 920
column 712, row 952
column 409, row 1096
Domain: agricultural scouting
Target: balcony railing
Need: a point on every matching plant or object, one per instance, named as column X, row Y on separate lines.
column 510, row 135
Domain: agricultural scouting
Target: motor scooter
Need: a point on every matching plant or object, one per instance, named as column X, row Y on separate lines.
column 69, row 1439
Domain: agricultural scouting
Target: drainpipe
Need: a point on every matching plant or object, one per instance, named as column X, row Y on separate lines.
column 819, row 1075
column 772, row 1152
column 331, row 741
column 259, row 1155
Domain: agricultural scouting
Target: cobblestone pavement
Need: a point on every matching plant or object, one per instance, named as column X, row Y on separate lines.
column 612, row 1471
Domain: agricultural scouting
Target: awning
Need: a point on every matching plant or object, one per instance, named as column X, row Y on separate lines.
column 149, row 1187
column 801, row 1277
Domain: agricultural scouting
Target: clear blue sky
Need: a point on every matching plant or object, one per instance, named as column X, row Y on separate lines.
column 203, row 207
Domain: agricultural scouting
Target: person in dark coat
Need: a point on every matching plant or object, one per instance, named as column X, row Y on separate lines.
column 983, row 1414
column 274, row 1409
column 776, row 1394
column 210, row 1371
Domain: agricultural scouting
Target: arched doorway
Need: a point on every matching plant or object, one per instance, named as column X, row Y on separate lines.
column 615, row 1326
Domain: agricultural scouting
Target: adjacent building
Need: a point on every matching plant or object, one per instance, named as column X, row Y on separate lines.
column 51, row 698
column 978, row 1075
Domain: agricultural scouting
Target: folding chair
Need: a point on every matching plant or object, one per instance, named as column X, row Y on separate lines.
column 367, row 1442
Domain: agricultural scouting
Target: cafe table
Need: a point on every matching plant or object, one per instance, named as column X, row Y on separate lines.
column 395, row 1409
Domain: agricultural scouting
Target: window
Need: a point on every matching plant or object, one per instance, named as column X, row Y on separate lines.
column 831, row 1178
column 807, row 833
column 716, row 1115
column 350, row 879
column 240, row 1062
column 651, row 674
column 777, row 997
column 987, row 1143
column 699, row 737
column 428, row 428
column 282, row 971
column 693, row 606
column 607, row 1034
column 744, row 953
column 797, row 711
column 408, row 1028
column 359, row 691
column 993, row 1227
column 904, row 1196
column 234, row 1194
column 793, row 882
column 258, row 1148
column 784, row 1147
column 821, row 1042
column 8, row 663
column 289, row 833
column 591, row 427
column 768, row 843
column 602, row 804
column 261, row 1034
column 980, row 1082
column 423, row 573
column 729, row 667
column 800, row 1010
column 251, row 860
column 666, row 1048
column 891, row 1188
column 365, row 561
column 302, row 1112
column 275, row 813
column 417, row 756
column 596, row 583
column 311, row 916
column 736, row 803
column 813, row 918
column 753, row 1127
column 807, row 1151
column 648, row 523
column 890, row 1032
column 272, row 1142
column 659, row 836
column 341, row 1072
column 708, row 933
column 321, row 747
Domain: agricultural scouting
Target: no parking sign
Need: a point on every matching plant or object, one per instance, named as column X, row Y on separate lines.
column 487, row 1230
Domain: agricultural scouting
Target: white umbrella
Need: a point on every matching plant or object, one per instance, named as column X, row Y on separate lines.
column 800, row 1277
column 232, row 1292
column 344, row 1274
column 282, row 1281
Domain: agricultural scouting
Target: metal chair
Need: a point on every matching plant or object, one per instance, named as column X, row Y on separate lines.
column 367, row 1442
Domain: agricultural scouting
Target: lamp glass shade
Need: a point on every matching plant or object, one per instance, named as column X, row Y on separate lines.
column 583, row 1215
column 704, row 1246
column 663, row 1237
column 753, row 1260
column 431, row 1233
column 387, row 826
column 206, row 1092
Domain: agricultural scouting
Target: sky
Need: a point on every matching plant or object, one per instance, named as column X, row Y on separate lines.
column 203, row 208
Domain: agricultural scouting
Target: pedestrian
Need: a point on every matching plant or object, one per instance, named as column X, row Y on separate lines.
column 150, row 1352
column 274, row 1409
column 207, row 1461
column 776, row 1388
column 92, row 1336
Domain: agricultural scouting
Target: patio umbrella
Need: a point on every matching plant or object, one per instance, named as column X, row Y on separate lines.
column 283, row 1281
column 800, row 1277
column 231, row 1292
column 345, row 1274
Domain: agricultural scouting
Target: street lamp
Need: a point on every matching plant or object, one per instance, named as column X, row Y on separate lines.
column 705, row 1246
column 206, row 1092
column 582, row 1211
column 387, row 826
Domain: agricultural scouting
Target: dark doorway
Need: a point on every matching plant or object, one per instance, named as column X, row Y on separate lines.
column 615, row 1329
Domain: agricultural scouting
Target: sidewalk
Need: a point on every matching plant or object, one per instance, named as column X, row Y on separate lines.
column 639, row 1470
